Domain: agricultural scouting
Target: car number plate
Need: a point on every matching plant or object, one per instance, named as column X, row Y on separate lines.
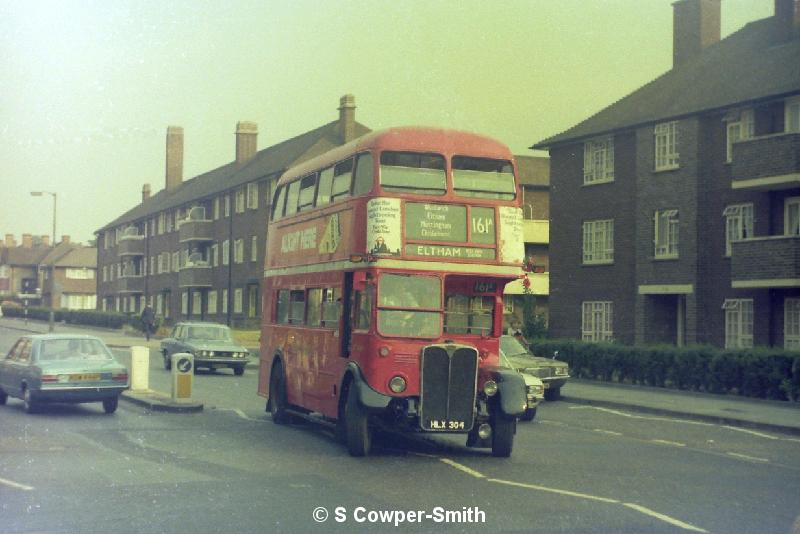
column 86, row 377
column 443, row 424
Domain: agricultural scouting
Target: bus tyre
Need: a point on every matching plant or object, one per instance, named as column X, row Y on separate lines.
column 277, row 396
column 503, row 435
column 529, row 414
column 356, row 419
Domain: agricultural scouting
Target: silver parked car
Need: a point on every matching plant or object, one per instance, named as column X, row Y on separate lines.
column 534, row 390
column 211, row 344
column 552, row 372
column 62, row 368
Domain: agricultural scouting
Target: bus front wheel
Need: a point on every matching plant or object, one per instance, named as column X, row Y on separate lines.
column 503, row 435
column 356, row 420
column 277, row 396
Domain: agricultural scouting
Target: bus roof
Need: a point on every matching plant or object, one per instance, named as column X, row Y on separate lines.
column 407, row 138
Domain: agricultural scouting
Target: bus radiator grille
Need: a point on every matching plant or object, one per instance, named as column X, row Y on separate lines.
column 447, row 389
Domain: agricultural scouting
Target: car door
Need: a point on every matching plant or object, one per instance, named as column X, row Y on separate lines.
column 17, row 367
column 169, row 343
column 6, row 368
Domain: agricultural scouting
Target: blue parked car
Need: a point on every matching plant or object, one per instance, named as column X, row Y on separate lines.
column 62, row 368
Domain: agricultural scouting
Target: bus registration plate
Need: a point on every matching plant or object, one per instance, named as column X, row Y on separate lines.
column 441, row 424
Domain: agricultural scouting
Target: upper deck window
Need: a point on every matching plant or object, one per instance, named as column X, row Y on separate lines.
column 412, row 172
column 291, row 198
column 342, row 179
column 306, row 197
column 483, row 178
column 277, row 205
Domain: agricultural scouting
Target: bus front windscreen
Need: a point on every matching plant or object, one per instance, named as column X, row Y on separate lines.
column 409, row 306
column 412, row 172
column 483, row 178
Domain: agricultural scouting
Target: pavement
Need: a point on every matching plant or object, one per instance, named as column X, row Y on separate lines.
column 759, row 414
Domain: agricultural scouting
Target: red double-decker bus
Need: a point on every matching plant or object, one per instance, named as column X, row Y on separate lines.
column 383, row 286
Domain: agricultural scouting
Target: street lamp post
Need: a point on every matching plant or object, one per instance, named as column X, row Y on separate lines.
column 39, row 194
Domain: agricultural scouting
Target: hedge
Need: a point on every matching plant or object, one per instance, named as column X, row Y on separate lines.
column 83, row 317
column 758, row 372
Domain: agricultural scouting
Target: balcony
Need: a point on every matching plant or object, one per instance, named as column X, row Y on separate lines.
column 763, row 262
column 195, row 275
column 131, row 245
column 536, row 231
column 195, row 230
column 130, row 284
column 767, row 163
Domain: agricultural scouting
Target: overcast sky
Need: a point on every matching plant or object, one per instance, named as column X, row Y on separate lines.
column 88, row 88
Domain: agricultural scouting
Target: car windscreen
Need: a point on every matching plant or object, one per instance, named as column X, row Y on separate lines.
column 511, row 347
column 72, row 349
column 209, row 333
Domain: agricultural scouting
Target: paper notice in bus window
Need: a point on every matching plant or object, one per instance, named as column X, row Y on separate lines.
column 512, row 244
column 383, row 226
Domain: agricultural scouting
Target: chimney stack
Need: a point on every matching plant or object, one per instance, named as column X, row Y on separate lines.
column 10, row 242
column 65, row 239
column 246, row 141
column 27, row 241
column 787, row 20
column 174, row 158
column 695, row 26
column 45, row 240
column 347, row 118
column 145, row 192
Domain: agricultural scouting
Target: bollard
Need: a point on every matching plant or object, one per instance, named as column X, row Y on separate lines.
column 182, row 376
column 140, row 368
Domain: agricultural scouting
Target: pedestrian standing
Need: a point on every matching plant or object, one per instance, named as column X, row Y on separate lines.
column 148, row 321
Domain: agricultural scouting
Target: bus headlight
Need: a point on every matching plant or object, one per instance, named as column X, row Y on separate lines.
column 490, row 387
column 397, row 384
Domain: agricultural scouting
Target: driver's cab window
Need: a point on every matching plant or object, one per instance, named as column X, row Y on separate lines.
column 465, row 314
column 362, row 310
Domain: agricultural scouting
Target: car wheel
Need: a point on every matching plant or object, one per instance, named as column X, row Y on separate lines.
column 552, row 394
column 3, row 397
column 356, row 418
column 503, row 435
column 30, row 404
column 110, row 405
column 167, row 361
column 238, row 370
column 529, row 414
column 277, row 396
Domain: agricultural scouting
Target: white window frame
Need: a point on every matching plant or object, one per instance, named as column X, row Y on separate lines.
column 216, row 208
column 184, row 303
column 791, row 118
column 214, row 255
column 598, row 160
column 252, row 196
column 738, row 224
column 666, row 234
column 226, row 252
column 253, row 248
column 738, row 323
column 197, row 303
column 176, row 261
column 238, row 251
column 105, row 273
column 739, row 130
column 237, row 300
column 665, row 144
column 791, row 323
column 227, row 204
column 240, row 200
column 597, row 320
column 224, row 301
column 598, row 242
column 791, row 216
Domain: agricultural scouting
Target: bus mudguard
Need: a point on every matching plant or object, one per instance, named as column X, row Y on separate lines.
column 511, row 389
column 370, row 399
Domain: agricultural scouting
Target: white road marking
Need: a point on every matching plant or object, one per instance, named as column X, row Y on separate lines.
column 610, row 432
column 746, row 457
column 462, row 468
column 17, row 485
column 554, row 490
column 240, row 413
column 645, row 417
column 662, row 517
column 665, row 442
column 751, row 432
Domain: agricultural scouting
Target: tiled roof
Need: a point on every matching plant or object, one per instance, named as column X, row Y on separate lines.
column 745, row 67
column 26, row 255
column 269, row 161
column 71, row 255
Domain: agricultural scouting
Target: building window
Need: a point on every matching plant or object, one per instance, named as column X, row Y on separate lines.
column 78, row 301
column 738, row 323
column 666, row 145
column 240, row 199
column 792, row 116
column 665, row 234
column 739, row 130
column 185, row 303
column 598, row 160
column 105, row 273
column 226, row 251
column 224, row 301
column 153, row 265
column 214, row 255
column 227, row 205
column 169, row 222
column 237, row 300
column 791, row 323
column 252, row 196
column 238, row 251
column 598, row 241
column 508, row 304
column 216, row 208
column 791, row 216
column 162, row 218
column 80, row 274
column 197, row 303
column 597, row 321
column 738, row 224
column 253, row 248
column 176, row 262
column 211, row 305
column 159, row 304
